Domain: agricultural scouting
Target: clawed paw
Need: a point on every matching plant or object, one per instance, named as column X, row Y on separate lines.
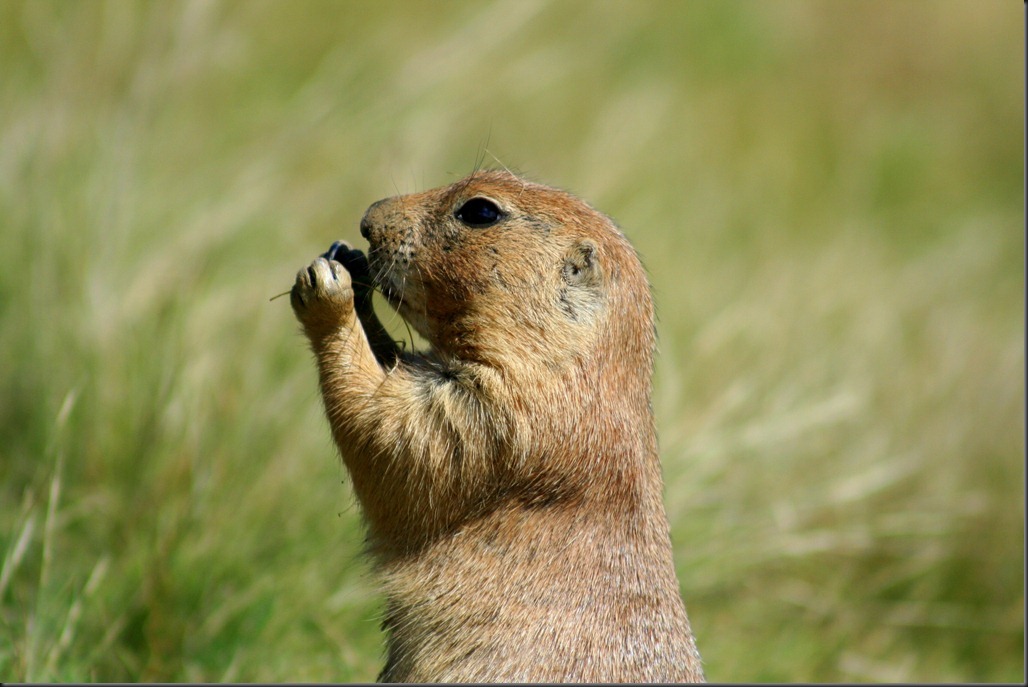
column 355, row 262
column 322, row 292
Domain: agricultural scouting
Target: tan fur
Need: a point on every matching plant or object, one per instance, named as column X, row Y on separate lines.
column 509, row 477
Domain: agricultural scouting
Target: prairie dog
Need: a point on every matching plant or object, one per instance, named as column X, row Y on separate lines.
column 508, row 477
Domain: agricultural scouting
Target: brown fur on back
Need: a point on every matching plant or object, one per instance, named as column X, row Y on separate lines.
column 509, row 477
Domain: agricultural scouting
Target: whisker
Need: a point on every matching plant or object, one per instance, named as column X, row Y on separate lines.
column 395, row 313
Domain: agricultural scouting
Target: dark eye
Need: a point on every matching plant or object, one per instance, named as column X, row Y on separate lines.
column 479, row 212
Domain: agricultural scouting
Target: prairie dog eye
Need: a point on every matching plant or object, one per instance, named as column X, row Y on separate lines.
column 479, row 212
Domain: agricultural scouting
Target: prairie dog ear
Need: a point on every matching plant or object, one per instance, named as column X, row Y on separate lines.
column 582, row 265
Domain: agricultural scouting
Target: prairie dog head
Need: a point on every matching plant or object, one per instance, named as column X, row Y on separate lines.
column 499, row 270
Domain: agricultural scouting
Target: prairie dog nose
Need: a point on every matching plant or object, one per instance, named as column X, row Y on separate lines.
column 372, row 217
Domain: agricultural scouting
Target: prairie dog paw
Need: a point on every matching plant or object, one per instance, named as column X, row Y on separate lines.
column 322, row 294
column 356, row 263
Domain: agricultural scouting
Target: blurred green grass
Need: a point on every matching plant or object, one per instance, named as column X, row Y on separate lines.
column 828, row 197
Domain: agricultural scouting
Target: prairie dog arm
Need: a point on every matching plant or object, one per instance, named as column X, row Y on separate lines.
column 410, row 431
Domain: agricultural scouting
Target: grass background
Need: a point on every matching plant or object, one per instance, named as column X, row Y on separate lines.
column 828, row 198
